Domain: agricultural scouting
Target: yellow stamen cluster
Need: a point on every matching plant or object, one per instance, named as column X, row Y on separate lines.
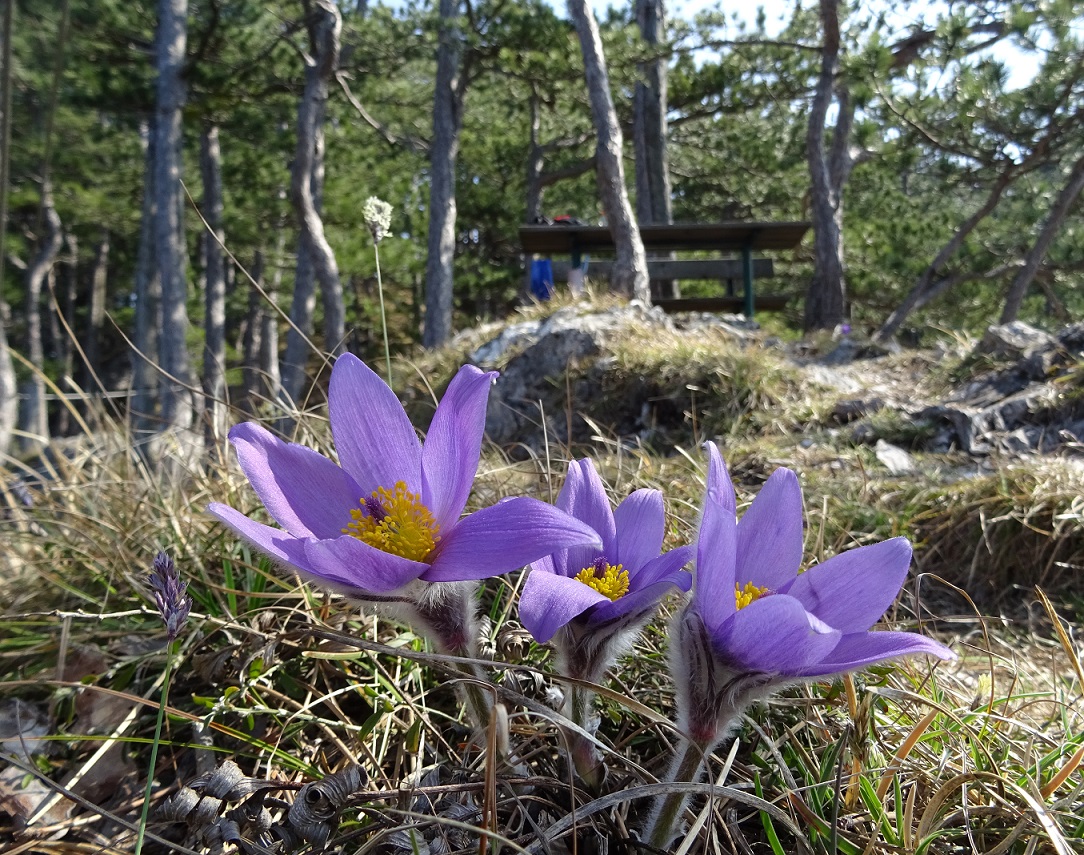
column 608, row 580
column 749, row 594
column 395, row 521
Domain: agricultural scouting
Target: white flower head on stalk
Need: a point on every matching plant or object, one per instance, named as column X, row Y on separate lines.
column 377, row 216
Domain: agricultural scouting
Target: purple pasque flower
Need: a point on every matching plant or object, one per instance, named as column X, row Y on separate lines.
column 589, row 591
column 391, row 511
column 755, row 623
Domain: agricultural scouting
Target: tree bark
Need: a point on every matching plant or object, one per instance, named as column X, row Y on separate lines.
column 99, row 279
column 178, row 408
column 1054, row 221
column 250, row 339
column 325, row 26
column 62, row 290
column 302, row 308
column 443, row 153
column 148, row 303
column 269, row 328
column 9, row 402
column 630, row 264
column 214, row 318
column 826, row 296
column 653, row 203
column 33, row 415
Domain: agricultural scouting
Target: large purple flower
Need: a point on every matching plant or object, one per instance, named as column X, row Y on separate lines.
column 755, row 623
column 392, row 512
column 764, row 617
column 621, row 583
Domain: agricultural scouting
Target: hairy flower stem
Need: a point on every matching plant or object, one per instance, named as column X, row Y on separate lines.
column 383, row 317
column 585, row 756
column 687, row 765
column 449, row 622
column 170, row 649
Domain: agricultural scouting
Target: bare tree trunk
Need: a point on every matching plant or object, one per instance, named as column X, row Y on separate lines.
column 325, row 25
column 9, row 403
column 302, row 307
column 1054, row 221
column 178, row 408
column 653, row 203
column 33, row 416
column 62, row 321
column 250, row 340
column 214, row 319
column 99, row 279
column 148, row 304
column 443, row 153
column 630, row 263
column 269, row 324
column 826, row 296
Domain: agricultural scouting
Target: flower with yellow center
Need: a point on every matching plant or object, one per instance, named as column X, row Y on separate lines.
column 395, row 521
column 390, row 512
column 609, row 580
column 749, row 594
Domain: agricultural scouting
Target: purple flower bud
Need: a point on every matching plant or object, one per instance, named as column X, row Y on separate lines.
column 170, row 594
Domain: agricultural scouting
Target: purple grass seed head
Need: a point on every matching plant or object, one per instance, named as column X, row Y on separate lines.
column 170, row 594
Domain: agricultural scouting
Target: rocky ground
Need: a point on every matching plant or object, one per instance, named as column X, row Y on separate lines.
column 1017, row 391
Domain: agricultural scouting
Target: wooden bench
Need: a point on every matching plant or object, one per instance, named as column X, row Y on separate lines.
column 731, row 237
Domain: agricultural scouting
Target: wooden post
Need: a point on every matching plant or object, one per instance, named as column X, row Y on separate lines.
column 747, row 276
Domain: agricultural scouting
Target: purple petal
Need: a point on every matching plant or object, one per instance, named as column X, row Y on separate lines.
column 280, row 546
column 775, row 635
column 640, row 522
column 665, row 567
column 454, row 442
column 770, row 534
column 635, row 602
column 860, row 649
column 504, row 537
column 304, row 492
column 852, row 590
column 584, row 497
column 355, row 567
column 376, row 443
column 716, row 546
column 550, row 601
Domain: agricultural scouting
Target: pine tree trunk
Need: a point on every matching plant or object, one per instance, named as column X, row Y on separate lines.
column 99, row 279
column 302, row 308
column 62, row 312
column 148, row 304
column 33, row 416
column 269, row 324
column 1054, row 221
column 178, row 408
column 826, row 296
column 653, row 204
column 443, row 153
column 251, row 386
column 325, row 25
column 214, row 319
column 630, row 263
